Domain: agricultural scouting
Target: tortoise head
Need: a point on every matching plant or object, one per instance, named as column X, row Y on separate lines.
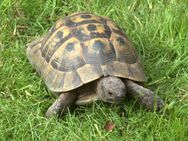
column 111, row 89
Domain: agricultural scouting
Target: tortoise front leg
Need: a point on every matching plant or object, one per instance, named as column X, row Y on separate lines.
column 62, row 103
column 144, row 96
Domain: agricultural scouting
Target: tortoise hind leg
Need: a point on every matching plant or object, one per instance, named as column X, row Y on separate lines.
column 144, row 96
column 61, row 105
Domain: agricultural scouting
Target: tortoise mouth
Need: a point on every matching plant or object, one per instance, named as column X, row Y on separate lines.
column 116, row 100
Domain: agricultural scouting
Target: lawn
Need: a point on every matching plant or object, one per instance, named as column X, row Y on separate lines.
column 159, row 32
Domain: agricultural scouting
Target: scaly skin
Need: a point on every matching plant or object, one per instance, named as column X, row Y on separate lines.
column 108, row 89
column 144, row 96
column 61, row 105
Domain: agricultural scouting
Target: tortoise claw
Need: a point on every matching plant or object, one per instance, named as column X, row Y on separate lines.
column 61, row 105
column 144, row 96
column 151, row 101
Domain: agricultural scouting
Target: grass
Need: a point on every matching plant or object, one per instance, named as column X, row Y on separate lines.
column 159, row 31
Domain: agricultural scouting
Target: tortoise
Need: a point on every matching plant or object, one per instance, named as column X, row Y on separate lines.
column 85, row 57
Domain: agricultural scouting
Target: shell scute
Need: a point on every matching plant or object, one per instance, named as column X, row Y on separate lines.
column 81, row 48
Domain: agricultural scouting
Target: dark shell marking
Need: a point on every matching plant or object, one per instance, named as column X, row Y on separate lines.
column 85, row 16
column 81, row 48
column 70, row 47
column 91, row 27
column 99, row 52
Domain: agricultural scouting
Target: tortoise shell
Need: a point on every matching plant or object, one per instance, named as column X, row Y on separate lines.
column 81, row 48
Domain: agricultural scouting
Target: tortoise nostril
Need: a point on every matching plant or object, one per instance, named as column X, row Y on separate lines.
column 110, row 93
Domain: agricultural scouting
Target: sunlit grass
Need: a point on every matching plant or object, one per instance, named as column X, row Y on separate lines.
column 159, row 31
